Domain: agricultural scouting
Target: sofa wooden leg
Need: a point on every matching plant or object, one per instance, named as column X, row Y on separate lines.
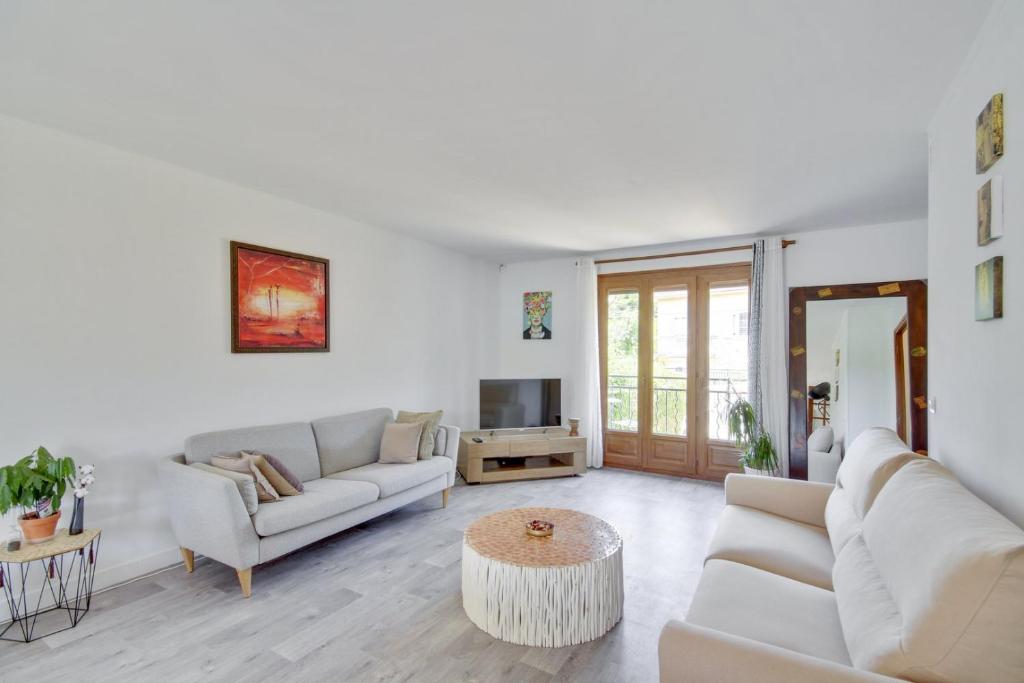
column 444, row 497
column 245, row 580
column 190, row 559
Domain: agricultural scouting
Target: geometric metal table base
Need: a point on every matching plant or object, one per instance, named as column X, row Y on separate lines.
column 67, row 579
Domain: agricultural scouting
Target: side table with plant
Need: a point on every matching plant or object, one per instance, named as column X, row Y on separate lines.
column 757, row 452
column 36, row 483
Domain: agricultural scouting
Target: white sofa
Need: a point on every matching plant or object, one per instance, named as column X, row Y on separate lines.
column 895, row 573
column 215, row 513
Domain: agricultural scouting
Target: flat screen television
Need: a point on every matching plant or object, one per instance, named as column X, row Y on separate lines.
column 517, row 403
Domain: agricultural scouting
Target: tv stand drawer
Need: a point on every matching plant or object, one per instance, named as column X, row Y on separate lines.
column 490, row 449
column 518, row 449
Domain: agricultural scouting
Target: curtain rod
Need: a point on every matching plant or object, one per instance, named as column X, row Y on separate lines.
column 785, row 243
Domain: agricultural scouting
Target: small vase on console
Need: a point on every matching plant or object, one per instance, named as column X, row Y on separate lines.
column 77, row 517
column 81, row 489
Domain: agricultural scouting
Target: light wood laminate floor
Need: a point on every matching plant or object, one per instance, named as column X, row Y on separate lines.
column 382, row 601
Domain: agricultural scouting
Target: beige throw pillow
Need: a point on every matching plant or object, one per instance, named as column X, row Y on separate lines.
column 276, row 479
column 238, row 463
column 430, row 422
column 400, row 443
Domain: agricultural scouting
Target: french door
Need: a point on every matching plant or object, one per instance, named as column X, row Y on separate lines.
column 673, row 359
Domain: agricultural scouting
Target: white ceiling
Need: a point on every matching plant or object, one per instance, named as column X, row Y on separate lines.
column 516, row 128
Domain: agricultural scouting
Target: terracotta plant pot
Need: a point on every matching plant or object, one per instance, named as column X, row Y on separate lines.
column 39, row 530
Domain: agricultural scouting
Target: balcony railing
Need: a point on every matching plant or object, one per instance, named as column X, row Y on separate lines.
column 669, row 415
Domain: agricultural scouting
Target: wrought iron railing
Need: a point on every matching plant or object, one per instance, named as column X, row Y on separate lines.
column 669, row 404
column 623, row 403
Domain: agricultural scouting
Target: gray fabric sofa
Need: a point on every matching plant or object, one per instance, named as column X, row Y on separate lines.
column 336, row 459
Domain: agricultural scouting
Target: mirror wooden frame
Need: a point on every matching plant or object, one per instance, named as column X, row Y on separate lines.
column 916, row 293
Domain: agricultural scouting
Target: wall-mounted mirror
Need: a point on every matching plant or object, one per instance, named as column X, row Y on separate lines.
column 857, row 360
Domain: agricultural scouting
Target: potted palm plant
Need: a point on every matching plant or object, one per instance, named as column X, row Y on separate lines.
column 757, row 452
column 36, row 483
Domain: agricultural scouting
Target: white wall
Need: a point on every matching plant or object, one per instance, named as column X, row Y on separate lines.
column 841, row 409
column 538, row 358
column 870, row 388
column 892, row 251
column 115, row 327
column 862, row 332
column 867, row 253
column 975, row 368
column 826, row 332
column 824, row 319
column 863, row 253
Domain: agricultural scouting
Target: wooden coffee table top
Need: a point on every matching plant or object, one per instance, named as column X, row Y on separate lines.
column 578, row 538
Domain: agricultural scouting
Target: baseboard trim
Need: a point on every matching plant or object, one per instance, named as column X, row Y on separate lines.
column 108, row 578
column 140, row 568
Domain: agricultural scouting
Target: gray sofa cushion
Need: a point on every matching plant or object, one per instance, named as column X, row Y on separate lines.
column 347, row 441
column 292, row 443
column 322, row 498
column 285, row 542
column 394, row 479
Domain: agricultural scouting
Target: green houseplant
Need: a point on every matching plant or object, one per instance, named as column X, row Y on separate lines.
column 36, row 483
column 757, row 452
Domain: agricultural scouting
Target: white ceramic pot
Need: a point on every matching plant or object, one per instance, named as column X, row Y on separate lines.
column 760, row 473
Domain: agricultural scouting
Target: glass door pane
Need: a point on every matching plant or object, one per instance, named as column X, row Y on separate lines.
column 727, row 353
column 623, row 352
column 669, row 360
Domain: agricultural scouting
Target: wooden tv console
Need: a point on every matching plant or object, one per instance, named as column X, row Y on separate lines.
column 541, row 452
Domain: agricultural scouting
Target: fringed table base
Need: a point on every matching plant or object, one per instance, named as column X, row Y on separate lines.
column 545, row 606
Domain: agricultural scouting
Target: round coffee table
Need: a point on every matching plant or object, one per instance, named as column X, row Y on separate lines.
column 563, row 589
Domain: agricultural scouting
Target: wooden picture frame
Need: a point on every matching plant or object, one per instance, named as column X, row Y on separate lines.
column 304, row 326
column 988, row 289
column 916, row 293
column 988, row 141
column 990, row 210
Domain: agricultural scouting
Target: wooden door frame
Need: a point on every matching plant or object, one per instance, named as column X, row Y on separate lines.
column 668, row 279
column 901, row 381
column 916, row 293
column 645, row 282
column 731, row 273
column 605, row 284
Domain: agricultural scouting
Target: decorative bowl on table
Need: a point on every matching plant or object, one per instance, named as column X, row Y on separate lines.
column 539, row 527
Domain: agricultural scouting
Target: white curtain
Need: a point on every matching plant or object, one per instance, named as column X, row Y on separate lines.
column 587, row 385
column 768, row 362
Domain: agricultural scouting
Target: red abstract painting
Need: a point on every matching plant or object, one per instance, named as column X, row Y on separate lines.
column 279, row 300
